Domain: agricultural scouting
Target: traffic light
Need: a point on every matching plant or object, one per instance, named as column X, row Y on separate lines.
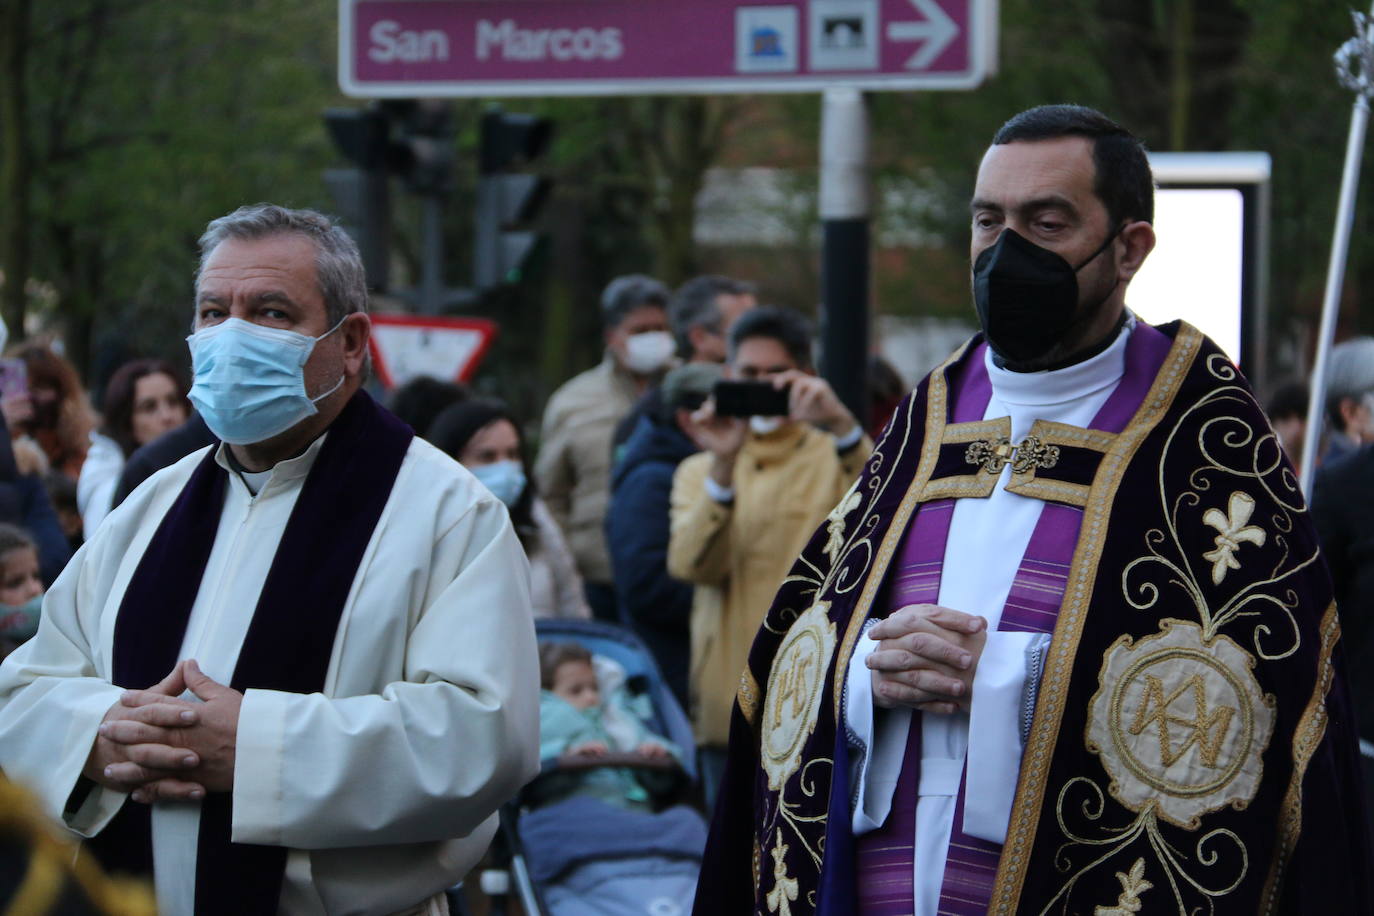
column 421, row 152
column 507, row 199
column 414, row 140
column 360, row 193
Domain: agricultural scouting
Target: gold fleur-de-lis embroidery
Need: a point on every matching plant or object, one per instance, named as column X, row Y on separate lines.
column 834, row 528
column 784, row 888
column 1132, row 886
column 1232, row 530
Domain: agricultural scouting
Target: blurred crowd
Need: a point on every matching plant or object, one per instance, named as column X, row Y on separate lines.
column 637, row 502
column 666, row 490
column 642, row 505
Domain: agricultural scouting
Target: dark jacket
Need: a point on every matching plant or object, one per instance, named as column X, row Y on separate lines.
column 658, row 606
column 164, row 451
column 1343, row 509
column 24, row 502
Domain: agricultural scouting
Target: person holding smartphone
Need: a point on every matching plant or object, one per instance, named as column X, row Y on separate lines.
column 779, row 451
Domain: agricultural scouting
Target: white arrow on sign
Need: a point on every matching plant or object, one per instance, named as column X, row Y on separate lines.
column 937, row 31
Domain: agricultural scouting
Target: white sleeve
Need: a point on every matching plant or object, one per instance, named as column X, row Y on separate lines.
column 877, row 738
column 52, row 699
column 1004, row 687
column 456, row 738
column 95, row 485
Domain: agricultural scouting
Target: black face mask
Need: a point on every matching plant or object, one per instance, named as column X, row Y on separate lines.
column 1027, row 296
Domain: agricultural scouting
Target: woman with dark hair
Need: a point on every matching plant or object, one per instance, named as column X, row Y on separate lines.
column 484, row 438
column 58, row 416
column 143, row 399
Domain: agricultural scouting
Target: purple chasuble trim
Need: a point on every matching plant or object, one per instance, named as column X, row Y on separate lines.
column 289, row 641
column 886, row 857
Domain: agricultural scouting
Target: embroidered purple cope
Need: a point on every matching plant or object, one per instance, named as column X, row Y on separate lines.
column 1192, row 746
column 886, row 856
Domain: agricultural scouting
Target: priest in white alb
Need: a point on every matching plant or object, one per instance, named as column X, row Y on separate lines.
column 294, row 672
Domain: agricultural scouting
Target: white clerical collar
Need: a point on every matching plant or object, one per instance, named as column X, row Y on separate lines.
column 1059, row 386
column 288, row 469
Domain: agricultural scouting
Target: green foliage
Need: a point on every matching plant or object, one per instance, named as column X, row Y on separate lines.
column 151, row 117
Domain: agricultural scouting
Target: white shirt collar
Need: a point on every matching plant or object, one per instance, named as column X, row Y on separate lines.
column 289, row 469
column 1060, row 386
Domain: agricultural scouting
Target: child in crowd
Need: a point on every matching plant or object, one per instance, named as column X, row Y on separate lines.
column 21, row 590
column 574, row 720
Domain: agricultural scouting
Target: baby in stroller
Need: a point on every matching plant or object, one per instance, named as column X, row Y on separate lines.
column 575, row 721
column 603, row 831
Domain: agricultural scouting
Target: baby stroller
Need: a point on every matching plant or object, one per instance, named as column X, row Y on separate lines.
column 580, row 856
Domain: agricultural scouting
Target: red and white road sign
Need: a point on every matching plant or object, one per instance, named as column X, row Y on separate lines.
column 432, row 48
column 405, row 347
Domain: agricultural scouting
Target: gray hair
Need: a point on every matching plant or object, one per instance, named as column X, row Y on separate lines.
column 626, row 293
column 1349, row 374
column 694, row 305
column 338, row 265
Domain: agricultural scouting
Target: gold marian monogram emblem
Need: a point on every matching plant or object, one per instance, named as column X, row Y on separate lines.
column 1180, row 723
column 1206, row 729
column 995, row 454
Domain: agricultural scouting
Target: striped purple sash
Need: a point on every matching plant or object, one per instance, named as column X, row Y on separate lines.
column 885, row 857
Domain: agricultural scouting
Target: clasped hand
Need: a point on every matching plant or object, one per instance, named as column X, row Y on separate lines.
column 926, row 658
column 159, row 747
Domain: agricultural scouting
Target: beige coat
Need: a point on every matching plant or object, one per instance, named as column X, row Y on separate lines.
column 737, row 555
column 555, row 586
column 574, row 466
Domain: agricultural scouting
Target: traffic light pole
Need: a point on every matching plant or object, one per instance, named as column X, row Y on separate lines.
column 844, row 247
column 432, row 291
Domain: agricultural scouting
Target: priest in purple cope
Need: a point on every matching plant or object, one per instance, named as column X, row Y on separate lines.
column 295, row 671
column 1068, row 646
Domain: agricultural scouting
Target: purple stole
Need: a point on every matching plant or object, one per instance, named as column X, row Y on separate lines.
column 885, row 857
column 290, row 639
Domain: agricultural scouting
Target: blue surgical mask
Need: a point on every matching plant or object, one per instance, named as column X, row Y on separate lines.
column 249, row 380
column 505, row 480
column 20, row 622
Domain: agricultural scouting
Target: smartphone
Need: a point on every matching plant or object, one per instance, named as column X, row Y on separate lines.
column 749, row 399
column 14, row 379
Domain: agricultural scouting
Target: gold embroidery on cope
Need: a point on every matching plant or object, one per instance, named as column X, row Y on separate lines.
column 993, row 455
column 973, row 485
column 1026, row 483
column 795, row 687
column 1310, row 731
column 937, row 405
column 1180, row 723
column 1032, row 784
column 1178, row 720
column 1133, row 884
column 834, row 526
column 1232, row 530
column 784, row 886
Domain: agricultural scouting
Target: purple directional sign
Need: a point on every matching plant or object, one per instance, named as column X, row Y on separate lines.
column 411, row 48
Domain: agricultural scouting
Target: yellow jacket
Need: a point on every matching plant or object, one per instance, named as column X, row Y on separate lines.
column 737, row 555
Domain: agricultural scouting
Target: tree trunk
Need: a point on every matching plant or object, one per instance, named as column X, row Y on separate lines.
column 15, row 167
